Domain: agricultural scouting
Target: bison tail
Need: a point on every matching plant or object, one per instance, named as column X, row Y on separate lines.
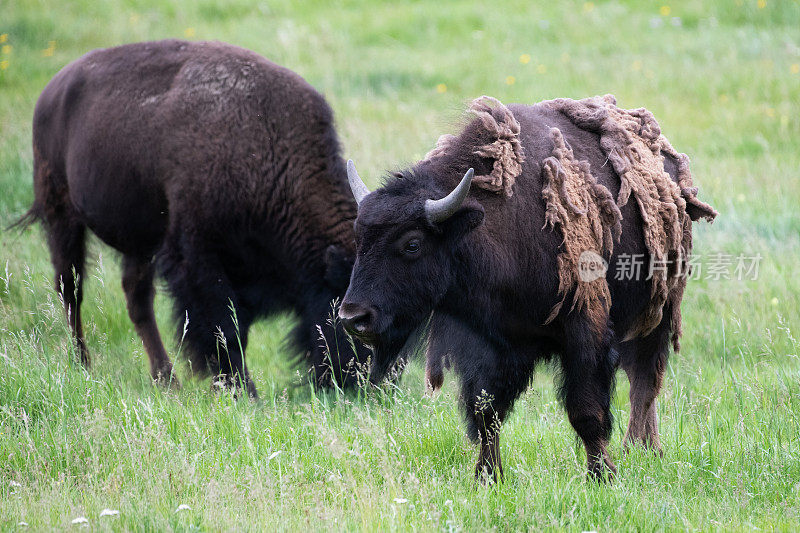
column 34, row 214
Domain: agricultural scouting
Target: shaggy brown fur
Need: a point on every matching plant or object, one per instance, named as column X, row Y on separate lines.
column 505, row 150
column 632, row 142
column 589, row 221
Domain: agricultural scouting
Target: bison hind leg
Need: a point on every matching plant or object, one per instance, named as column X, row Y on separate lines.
column 588, row 367
column 66, row 238
column 645, row 361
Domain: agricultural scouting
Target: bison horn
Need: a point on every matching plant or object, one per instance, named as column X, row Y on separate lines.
column 356, row 184
column 441, row 210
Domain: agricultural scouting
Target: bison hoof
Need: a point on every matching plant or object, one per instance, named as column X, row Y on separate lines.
column 488, row 476
column 83, row 354
column 602, row 470
column 235, row 386
column 168, row 380
column 653, row 446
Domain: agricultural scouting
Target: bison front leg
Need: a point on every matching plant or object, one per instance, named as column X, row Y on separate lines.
column 489, row 468
column 212, row 323
column 491, row 379
column 485, row 415
column 588, row 383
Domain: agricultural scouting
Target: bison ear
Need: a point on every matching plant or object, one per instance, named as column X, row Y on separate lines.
column 338, row 266
column 468, row 217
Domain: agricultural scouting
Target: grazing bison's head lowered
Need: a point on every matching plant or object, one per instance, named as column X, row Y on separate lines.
column 406, row 236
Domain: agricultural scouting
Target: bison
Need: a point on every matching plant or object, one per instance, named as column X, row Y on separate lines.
column 213, row 167
column 523, row 267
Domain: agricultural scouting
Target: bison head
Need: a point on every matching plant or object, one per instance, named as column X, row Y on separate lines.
column 407, row 240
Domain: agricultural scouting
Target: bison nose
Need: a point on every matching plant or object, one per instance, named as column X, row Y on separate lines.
column 357, row 319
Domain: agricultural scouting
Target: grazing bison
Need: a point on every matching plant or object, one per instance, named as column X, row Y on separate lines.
column 214, row 167
column 515, row 271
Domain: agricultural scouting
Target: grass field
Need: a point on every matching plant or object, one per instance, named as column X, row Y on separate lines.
column 723, row 78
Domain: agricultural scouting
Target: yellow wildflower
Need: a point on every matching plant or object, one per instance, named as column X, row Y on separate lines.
column 51, row 48
column 525, row 59
column 665, row 11
column 510, row 80
column 6, row 49
column 3, row 37
column 441, row 88
column 762, row 4
column 795, row 68
column 189, row 32
column 588, row 6
column 4, row 64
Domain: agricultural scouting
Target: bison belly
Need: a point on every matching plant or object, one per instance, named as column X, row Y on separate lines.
column 120, row 202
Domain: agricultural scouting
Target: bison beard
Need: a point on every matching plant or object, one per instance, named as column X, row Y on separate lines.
column 218, row 169
column 496, row 284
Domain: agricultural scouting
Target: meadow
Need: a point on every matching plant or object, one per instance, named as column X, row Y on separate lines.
column 723, row 78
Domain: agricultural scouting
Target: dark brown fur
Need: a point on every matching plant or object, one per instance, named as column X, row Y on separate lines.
column 212, row 165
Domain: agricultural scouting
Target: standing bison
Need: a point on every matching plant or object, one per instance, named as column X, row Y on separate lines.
column 514, row 272
column 217, row 168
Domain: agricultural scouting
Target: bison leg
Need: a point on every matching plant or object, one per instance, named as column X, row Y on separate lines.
column 489, row 465
column 207, row 308
column 489, row 390
column 66, row 238
column 490, row 383
column 645, row 361
column 327, row 348
column 588, row 374
column 485, row 416
column 231, row 342
column 137, row 281
column 485, row 411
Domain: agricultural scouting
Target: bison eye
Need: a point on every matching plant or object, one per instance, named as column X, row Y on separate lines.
column 411, row 246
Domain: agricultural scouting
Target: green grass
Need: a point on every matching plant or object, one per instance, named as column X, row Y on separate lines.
column 722, row 77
